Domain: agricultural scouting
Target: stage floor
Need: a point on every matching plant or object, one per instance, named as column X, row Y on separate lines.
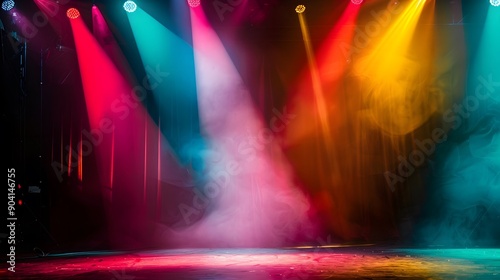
column 244, row 264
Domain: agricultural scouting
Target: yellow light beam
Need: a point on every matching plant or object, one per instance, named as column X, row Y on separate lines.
column 316, row 81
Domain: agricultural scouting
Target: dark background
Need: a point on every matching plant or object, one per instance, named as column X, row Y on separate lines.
column 42, row 103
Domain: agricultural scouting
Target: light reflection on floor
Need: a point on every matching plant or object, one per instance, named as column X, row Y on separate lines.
column 243, row 264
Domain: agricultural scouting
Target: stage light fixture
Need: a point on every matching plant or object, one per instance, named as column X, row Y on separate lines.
column 72, row 13
column 300, row 9
column 356, row 2
column 130, row 6
column 194, row 3
column 495, row 3
column 7, row 5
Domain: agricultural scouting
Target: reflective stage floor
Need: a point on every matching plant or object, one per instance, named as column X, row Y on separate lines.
column 292, row 263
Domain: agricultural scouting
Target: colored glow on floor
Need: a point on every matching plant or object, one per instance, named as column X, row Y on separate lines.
column 261, row 264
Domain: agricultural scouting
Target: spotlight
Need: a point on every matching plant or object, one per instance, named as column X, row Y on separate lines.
column 7, row 5
column 193, row 3
column 72, row 13
column 300, row 9
column 130, row 6
column 495, row 3
column 356, row 2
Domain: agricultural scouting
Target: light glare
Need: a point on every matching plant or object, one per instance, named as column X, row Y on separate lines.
column 130, row 6
column 7, row 5
column 72, row 13
column 300, row 9
column 194, row 3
